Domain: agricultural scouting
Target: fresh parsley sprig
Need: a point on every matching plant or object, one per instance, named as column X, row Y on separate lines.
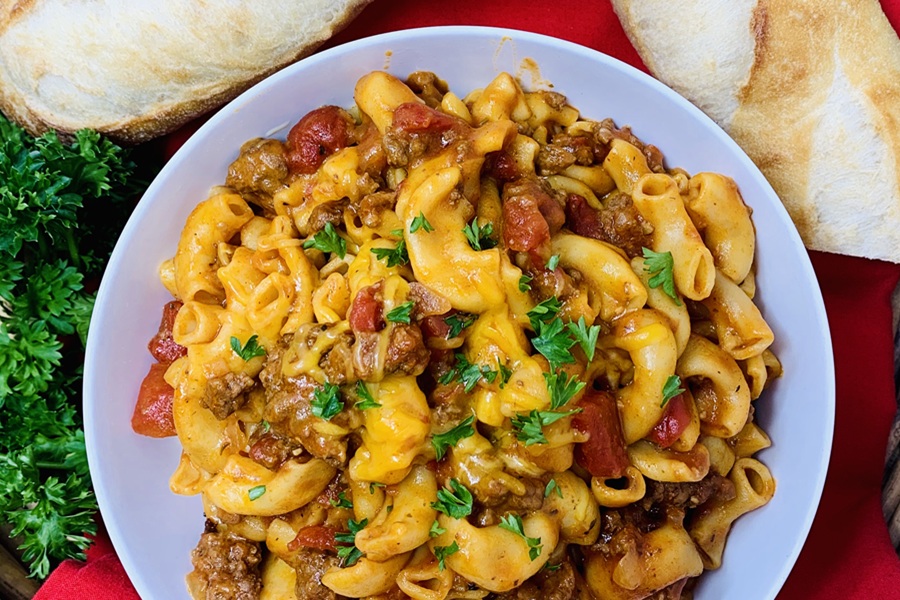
column 248, row 351
column 562, row 388
column 585, row 336
column 513, row 523
column 529, row 427
column 347, row 551
column 442, row 441
column 402, row 313
column 468, row 373
column 661, row 267
column 366, row 401
column 479, row 236
column 671, row 388
column 62, row 207
column 420, row 222
column 394, row 257
column 442, row 552
column 459, row 321
column 327, row 402
column 328, row 240
column 455, row 502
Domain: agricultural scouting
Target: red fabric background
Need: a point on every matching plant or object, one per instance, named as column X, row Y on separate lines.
column 848, row 554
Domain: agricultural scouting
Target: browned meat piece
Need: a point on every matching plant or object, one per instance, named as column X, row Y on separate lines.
column 606, row 131
column 311, row 565
column 617, row 222
column 225, row 394
column 270, row 451
column 556, row 584
column 338, row 362
column 687, row 495
column 564, row 151
column 330, row 212
column 428, row 87
column 418, row 131
column 228, row 565
column 530, row 216
column 406, row 352
column 259, row 171
column 162, row 346
column 372, row 207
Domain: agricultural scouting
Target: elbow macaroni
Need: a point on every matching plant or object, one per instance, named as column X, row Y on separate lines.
column 375, row 383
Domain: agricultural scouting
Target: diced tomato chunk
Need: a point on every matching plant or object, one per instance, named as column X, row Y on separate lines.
column 414, row 117
column 315, row 137
column 153, row 412
column 366, row 310
column 673, row 422
column 603, row 454
column 317, row 537
column 162, row 346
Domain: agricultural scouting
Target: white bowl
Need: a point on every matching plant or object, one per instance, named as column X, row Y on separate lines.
column 154, row 530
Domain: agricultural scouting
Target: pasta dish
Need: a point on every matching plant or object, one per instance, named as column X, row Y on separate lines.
column 442, row 347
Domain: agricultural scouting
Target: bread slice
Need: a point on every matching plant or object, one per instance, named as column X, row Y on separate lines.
column 136, row 69
column 809, row 89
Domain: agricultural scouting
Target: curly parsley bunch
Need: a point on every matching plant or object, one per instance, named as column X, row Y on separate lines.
column 61, row 210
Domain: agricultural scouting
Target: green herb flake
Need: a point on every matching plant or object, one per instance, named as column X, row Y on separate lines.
column 248, row 351
column 562, row 388
column 394, row 257
column 328, row 240
column 256, row 492
column 585, row 336
column 660, row 266
column 442, row 552
column 455, row 502
column 553, row 341
column 505, row 373
column 436, row 529
column 513, row 523
column 422, row 223
column 671, row 388
column 553, row 262
column 401, row 313
column 326, row 402
column 529, row 427
column 525, row 283
column 552, row 487
column 349, row 553
column 479, row 237
column 341, row 501
column 457, row 322
column 366, row 401
column 442, row 441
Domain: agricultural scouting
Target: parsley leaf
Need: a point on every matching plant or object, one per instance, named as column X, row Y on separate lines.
column 455, row 502
column 562, row 388
column 585, row 336
column 671, row 388
column 366, row 400
column 442, row 441
column 551, row 487
column 326, row 402
column 442, row 552
column 514, row 523
column 457, row 322
column 468, row 373
column 422, row 223
column 529, row 427
column 401, row 313
column 544, row 311
column 436, row 529
column 350, row 554
column 553, row 262
column 479, row 237
column 250, row 350
column 394, row 257
column 341, row 501
column 524, row 283
column 661, row 267
column 553, row 341
column 256, row 492
column 328, row 240
column 505, row 373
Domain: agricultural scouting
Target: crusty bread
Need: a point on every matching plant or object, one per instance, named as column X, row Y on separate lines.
column 809, row 89
column 136, row 69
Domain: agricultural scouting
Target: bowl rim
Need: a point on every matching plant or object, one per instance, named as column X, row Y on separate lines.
column 91, row 369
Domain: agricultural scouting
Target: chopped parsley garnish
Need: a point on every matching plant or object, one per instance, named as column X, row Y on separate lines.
column 553, row 262
column 341, row 501
column 585, row 336
column 366, row 401
column 455, row 502
column 524, row 283
column 468, row 373
column 562, row 388
column 549, row 567
column 514, row 523
column 442, row 552
column 327, row 401
column 661, row 267
column 422, row 223
column 530, row 427
column 256, row 492
column 394, row 257
column 543, row 312
column 436, row 529
column 401, row 313
column 552, row 487
column 265, row 426
column 373, row 485
column 250, row 350
column 553, row 341
column 458, row 322
column 328, row 240
column 505, row 373
column 479, row 237
column 349, row 554
column 671, row 388
column 442, row 441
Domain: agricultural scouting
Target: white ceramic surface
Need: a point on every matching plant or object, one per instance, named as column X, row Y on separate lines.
column 154, row 530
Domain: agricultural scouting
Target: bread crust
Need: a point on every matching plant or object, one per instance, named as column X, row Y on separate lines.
column 815, row 104
column 64, row 65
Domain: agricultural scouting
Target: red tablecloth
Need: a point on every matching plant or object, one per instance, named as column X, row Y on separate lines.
column 848, row 554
